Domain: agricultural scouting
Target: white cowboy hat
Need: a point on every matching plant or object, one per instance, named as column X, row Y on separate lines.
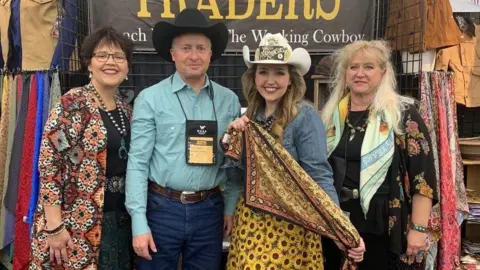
column 274, row 49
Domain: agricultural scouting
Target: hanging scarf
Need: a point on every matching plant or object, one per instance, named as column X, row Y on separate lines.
column 376, row 152
column 277, row 184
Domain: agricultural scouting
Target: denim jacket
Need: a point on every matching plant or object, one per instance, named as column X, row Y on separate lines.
column 305, row 139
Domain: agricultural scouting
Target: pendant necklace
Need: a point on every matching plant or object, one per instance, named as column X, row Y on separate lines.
column 354, row 128
column 122, row 151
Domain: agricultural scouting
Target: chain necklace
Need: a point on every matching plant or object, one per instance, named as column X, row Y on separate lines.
column 354, row 128
column 122, row 151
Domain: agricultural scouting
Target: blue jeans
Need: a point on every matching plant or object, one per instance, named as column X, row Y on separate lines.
column 193, row 230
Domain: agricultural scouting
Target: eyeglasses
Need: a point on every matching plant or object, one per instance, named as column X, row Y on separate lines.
column 103, row 57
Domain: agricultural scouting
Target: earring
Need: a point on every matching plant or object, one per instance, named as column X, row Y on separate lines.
column 126, row 78
column 90, row 75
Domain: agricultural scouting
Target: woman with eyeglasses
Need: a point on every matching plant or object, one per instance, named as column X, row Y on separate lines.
column 81, row 221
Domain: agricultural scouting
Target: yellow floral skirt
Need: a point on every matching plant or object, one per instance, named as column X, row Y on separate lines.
column 263, row 241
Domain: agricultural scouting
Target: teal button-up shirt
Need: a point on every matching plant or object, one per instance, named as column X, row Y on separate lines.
column 157, row 149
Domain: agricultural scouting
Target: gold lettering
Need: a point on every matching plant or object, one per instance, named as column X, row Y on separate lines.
column 291, row 11
column 263, row 11
column 308, row 12
column 167, row 10
column 330, row 15
column 143, row 13
column 231, row 10
column 213, row 7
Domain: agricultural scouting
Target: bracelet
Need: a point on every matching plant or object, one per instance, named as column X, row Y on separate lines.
column 419, row 228
column 55, row 231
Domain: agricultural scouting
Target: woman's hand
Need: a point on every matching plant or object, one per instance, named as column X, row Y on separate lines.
column 57, row 245
column 239, row 124
column 227, row 225
column 416, row 245
column 356, row 254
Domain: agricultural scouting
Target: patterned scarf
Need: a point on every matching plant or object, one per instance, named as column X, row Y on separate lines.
column 376, row 152
column 277, row 184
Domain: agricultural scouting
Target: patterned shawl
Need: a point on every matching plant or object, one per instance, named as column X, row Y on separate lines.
column 277, row 184
column 376, row 152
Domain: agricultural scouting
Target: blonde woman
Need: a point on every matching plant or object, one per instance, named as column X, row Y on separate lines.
column 380, row 137
column 275, row 88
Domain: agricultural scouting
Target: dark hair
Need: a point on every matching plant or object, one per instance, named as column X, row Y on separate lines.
column 105, row 36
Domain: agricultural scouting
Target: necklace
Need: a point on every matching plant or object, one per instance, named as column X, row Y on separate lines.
column 354, row 128
column 122, row 151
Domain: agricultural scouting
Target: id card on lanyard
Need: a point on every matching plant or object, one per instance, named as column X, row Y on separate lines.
column 201, row 137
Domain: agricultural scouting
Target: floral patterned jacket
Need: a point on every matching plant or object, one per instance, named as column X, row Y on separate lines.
column 415, row 174
column 72, row 165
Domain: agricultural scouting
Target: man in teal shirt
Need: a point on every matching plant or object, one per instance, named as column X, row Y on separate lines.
column 174, row 161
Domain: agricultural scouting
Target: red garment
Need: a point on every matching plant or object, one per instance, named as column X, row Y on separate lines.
column 21, row 250
column 450, row 241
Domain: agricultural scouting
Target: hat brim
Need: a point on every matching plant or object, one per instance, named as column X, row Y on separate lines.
column 300, row 59
column 164, row 33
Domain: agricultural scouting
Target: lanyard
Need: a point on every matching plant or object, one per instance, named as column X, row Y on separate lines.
column 210, row 94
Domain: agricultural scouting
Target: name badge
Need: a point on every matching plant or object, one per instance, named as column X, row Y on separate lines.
column 201, row 142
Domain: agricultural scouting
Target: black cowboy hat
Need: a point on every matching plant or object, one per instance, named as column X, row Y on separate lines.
column 189, row 21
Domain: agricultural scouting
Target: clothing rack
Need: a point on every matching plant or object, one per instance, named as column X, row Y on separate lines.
column 26, row 98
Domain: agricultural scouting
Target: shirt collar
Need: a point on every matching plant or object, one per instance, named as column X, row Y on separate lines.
column 178, row 83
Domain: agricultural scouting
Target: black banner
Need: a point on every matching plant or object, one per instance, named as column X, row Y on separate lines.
column 317, row 25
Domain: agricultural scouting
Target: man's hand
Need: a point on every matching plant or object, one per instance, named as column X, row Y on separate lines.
column 141, row 243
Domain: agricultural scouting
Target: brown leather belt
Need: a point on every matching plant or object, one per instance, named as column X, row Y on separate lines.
column 186, row 197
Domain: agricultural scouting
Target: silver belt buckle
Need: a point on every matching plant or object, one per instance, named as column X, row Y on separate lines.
column 355, row 194
column 184, row 193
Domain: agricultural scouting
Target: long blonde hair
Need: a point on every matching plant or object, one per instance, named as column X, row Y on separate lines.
column 287, row 107
column 386, row 101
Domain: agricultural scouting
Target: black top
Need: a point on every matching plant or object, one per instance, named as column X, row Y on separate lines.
column 115, row 201
column 377, row 216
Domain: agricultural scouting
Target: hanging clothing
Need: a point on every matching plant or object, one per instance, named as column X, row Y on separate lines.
column 46, row 97
column 428, row 114
column 22, row 234
column 12, row 93
column 6, row 11
column 55, row 91
column 15, row 61
column 9, row 220
column 36, row 150
column 36, row 23
column 437, row 89
column 282, row 198
column 84, row 139
column 16, row 157
column 4, row 125
column 464, row 61
column 413, row 25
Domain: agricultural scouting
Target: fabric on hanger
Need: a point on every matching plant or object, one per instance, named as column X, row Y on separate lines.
column 12, row 95
column 16, row 157
column 22, row 235
column 4, row 129
column 6, row 11
column 35, row 185
column 447, row 93
column 55, row 91
column 15, row 61
column 37, row 20
column 428, row 113
column 2, row 62
column 9, row 227
column 68, row 30
column 19, row 91
column 1, row 93
column 46, row 97
column 450, row 241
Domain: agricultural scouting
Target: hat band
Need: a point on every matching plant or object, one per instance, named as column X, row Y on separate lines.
column 272, row 53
